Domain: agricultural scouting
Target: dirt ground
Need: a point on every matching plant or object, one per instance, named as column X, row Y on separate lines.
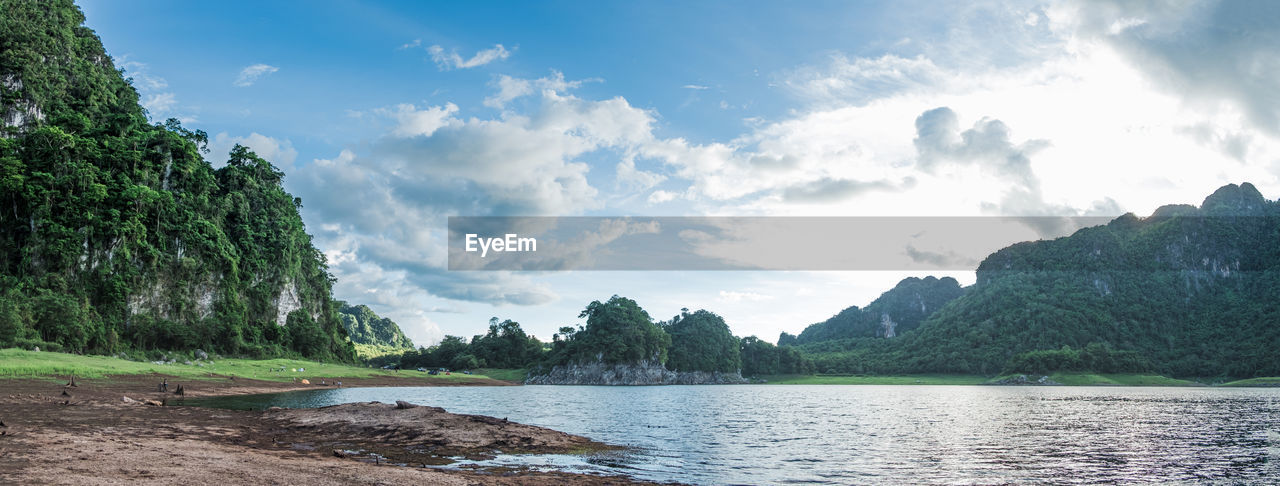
column 93, row 436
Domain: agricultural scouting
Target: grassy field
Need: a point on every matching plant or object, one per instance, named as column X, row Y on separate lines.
column 503, row 374
column 18, row 363
column 1264, row 381
column 875, row 380
column 1084, row 379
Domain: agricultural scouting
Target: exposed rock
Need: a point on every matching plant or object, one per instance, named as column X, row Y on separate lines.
column 287, row 301
column 641, row 373
column 1024, row 380
column 887, row 326
column 430, row 429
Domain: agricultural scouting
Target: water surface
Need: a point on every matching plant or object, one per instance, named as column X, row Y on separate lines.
column 831, row 434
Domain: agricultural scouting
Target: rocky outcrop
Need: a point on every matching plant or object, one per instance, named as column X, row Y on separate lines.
column 1025, row 380
column 641, row 373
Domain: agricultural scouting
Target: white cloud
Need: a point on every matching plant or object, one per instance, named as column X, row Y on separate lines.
column 277, row 151
column 1203, row 51
column 660, row 196
column 1060, row 113
column 632, row 179
column 414, row 122
column 159, row 103
column 860, row 80
column 697, row 87
column 251, row 74
column 510, row 88
column 451, row 59
column 389, row 199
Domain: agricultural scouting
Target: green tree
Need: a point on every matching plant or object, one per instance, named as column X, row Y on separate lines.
column 701, row 341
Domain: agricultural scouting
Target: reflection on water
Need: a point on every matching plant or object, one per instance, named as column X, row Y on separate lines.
column 878, row 434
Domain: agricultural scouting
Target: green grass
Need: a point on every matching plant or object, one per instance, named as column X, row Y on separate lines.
column 503, row 374
column 1262, row 381
column 1121, row 379
column 18, row 363
column 875, row 380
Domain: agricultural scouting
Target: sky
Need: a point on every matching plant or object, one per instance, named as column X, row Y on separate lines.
column 389, row 117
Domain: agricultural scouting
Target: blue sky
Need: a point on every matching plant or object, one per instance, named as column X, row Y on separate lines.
column 387, row 117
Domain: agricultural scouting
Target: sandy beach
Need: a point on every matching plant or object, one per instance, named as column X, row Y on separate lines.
column 93, row 435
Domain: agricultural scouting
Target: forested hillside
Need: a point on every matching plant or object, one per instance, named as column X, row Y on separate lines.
column 118, row 234
column 895, row 312
column 1186, row 292
column 365, row 326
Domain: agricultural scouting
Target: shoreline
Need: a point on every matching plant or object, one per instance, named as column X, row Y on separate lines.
column 92, row 435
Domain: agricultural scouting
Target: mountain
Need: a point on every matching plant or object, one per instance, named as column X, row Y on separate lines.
column 118, row 234
column 365, row 327
column 897, row 311
column 1189, row 291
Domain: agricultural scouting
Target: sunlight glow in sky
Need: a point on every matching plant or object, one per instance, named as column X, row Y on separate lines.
column 389, row 117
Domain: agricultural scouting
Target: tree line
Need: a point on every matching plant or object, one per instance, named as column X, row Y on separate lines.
column 616, row 331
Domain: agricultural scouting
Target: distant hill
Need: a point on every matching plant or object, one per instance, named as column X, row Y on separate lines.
column 365, row 327
column 1189, row 291
column 117, row 233
column 895, row 312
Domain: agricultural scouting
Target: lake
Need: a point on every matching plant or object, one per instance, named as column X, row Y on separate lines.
column 831, row 434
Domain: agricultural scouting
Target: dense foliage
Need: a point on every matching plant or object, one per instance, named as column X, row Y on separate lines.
column 364, row 326
column 1187, row 292
column 506, row 345
column 701, row 341
column 117, row 234
column 617, row 331
column 895, row 312
column 763, row 358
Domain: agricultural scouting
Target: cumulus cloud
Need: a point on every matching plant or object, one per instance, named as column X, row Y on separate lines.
column 251, row 74
column 414, row 122
column 988, row 144
column 385, row 199
column 452, row 60
column 939, row 140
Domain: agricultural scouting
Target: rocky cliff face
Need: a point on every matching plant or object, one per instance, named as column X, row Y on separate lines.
column 641, row 373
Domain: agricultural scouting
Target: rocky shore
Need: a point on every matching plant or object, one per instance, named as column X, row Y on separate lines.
column 1026, row 380
column 641, row 373
column 93, row 436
